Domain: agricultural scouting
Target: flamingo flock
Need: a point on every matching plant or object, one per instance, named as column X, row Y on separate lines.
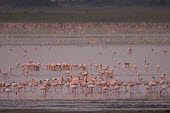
column 83, row 28
column 103, row 82
column 78, row 78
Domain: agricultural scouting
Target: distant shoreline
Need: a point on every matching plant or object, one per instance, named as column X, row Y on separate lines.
column 61, row 111
column 77, row 40
column 86, row 106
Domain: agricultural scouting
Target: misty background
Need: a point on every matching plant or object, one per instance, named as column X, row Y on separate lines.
column 93, row 3
column 85, row 10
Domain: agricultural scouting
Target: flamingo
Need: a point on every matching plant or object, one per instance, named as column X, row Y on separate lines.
column 131, row 86
column 130, row 51
column 164, row 88
column 55, row 85
column 19, row 88
column 161, row 82
column 138, row 74
column 7, row 85
column 147, row 68
column 113, row 82
column 135, row 68
column 44, row 89
column 14, row 85
column 60, row 84
column 118, row 63
column 158, row 68
column 74, row 87
column 148, row 88
column 8, row 90
column 147, row 64
column 101, row 66
column 168, row 85
column 24, row 84
column 83, row 85
column 90, row 87
column 154, row 82
column 125, row 84
column 34, row 84
column 116, row 89
column 10, row 70
column 165, row 52
column 98, row 85
column 138, row 83
column 105, row 88
column 5, row 75
column 96, row 65
column 162, row 76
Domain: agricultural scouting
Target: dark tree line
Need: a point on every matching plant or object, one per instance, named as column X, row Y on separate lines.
column 55, row 3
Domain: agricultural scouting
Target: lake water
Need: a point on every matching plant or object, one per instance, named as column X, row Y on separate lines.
column 80, row 53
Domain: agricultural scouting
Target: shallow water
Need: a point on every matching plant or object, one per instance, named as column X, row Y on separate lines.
column 78, row 54
column 85, row 105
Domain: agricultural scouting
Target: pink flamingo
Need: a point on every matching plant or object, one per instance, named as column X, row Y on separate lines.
column 90, row 87
column 131, row 86
column 96, row 65
column 155, row 82
column 130, row 51
column 147, row 65
column 161, row 82
column 168, row 85
column 44, row 89
column 116, row 88
column 162, row 76
column 74, row 88
column 24, row 84
column 164, row 88
column 19, row 88
column 118, row 63
column 34, row 84
column 5, row 75
column 105, row 87
column 14, row 85
column 147, row 68
column 135, row 68
column 138, row 83
column 98, row 85
column 125, row 84
column 148, row 88
column 138, row 74
column 158, row 68
column 8, row 90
